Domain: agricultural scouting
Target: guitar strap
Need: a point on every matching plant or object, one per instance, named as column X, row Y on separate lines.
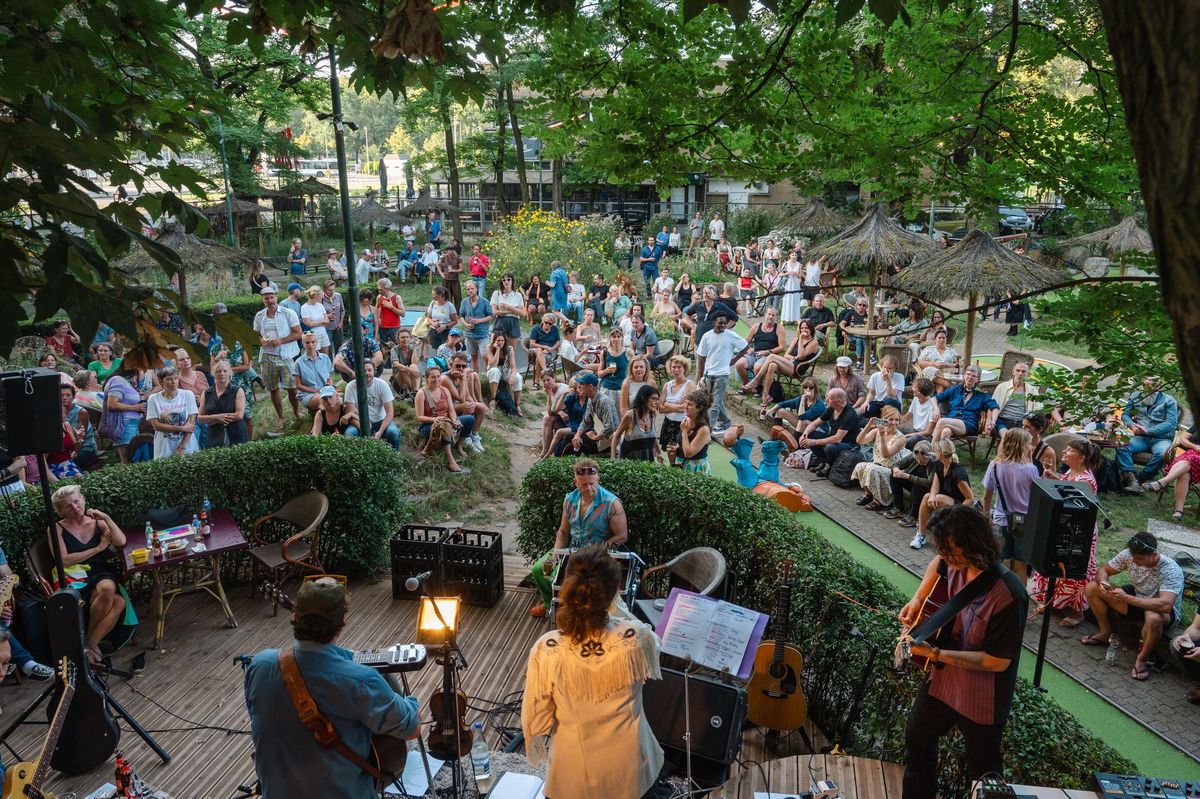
column 972, row 591
column 312, row 717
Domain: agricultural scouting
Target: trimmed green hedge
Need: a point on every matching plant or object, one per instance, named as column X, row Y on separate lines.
column 670, row 511
column 366, row 501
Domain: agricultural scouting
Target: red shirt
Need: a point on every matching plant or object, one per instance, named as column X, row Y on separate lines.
column 479, row 265
column 388, row 316
column 64, row 348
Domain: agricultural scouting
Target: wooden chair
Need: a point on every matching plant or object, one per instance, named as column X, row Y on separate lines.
column 701, row 570
column 951, row 333
column 902, row 354
column 297, row 551
column 1012, row 358
column 790, row 384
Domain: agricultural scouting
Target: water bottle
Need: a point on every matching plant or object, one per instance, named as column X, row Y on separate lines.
column 196, row 536
column 1114, row 645
column 480, row 761
column 206, row 517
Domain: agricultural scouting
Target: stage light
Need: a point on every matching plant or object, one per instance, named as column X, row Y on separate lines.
column 437, row 620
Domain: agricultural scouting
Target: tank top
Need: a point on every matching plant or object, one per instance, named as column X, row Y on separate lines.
column 699, row 456
column 765, row 339
column 634, row 388
column 685, row 295
column 73, row 545
column 675, row 397
column 440, row 406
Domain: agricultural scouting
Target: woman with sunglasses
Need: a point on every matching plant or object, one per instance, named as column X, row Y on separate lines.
column 591, row 514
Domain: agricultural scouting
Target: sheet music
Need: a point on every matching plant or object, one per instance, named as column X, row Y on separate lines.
column 728, row 636
column 512, row 785
column 687, row 627
column 715, row 634
column 413, row 779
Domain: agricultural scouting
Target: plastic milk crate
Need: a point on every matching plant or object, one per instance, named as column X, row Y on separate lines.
column 415, row 550
column 473, row 566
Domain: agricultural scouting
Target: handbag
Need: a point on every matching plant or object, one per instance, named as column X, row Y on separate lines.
column 421, row 328
column 1014, row 521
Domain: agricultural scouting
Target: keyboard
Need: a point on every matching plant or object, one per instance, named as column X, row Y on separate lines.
column 398, row 657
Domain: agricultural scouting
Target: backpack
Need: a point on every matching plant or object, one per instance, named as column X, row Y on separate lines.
column 839, row 473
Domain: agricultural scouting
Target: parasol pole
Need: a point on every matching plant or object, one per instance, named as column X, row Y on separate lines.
column 970, row 343
column 871, row 301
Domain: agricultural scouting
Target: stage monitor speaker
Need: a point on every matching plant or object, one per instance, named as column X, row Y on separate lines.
column 1058, row 528
column 31, row 409
column 718, row 713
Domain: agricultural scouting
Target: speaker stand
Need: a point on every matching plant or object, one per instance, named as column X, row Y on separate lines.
column 1041, row 650
column 20, row 719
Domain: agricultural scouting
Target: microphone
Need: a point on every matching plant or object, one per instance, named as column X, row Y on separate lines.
column 413, row 583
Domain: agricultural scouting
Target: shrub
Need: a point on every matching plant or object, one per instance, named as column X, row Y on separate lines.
column 750, row 222
column 526, row 242
column 654, row 225
column 1044, row 745
column 360, row 478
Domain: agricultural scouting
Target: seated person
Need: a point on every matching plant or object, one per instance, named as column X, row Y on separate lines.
column 1152, row 416
column 11, row 650
column 543, row 345
column 380, row 412
column 884, row 388
column 437, row 422
column 935, row 361
column 344, row 360
column 820, row 316
column 1152, row 597
column 914, row 478
column 600, row 417
column 643, row 340
column 1186, row 650
column 311, row 372
column 573, row 405
column 971, row 412
column 575, row 293
column 854, row 317
column 334, row 416
column 911, row 327
column 556, row 417
column 596, row 294
column 1015, row 398
column 455, row 343
column 794, row 413
column 89, row 539
column 922, row 414
column 841, row 421
column 466, row 390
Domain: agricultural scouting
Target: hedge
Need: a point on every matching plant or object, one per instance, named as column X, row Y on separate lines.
column 670, row 511
column 360, row 478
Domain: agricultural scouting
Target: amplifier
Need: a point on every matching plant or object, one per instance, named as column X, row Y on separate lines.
column 718, row 713
column 1058, row 528
column 1135, row 786
column 31, row 412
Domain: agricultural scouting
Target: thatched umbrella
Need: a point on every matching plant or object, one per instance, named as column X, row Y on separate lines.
column 875, row 243
column 193, row 252
column 309, row 187
column 1116, row 241
column 423, row 205
column 370, row 212
column 815, row 218
column 976, row 266
column 239, row 206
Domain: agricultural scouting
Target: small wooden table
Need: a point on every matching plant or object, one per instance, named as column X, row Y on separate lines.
column 188, row 571
column 872, row 335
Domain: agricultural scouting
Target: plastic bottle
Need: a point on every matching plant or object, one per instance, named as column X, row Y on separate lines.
column 206, row 517
column 1114, row 646
column 480, row 761
column 196, row 536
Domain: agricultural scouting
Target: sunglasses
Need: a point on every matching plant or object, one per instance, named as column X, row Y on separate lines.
column 1140, row 547
column 582, row 470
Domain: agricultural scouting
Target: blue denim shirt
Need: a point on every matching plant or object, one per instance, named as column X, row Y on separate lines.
column 1160, row 417
column 969, row 409
column 356, row 699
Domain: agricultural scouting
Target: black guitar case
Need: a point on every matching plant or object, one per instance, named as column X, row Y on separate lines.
column 89, row 735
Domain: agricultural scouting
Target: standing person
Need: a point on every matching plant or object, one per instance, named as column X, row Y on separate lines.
column 1007, row 484
column 479, row 265
column 695, row 234
column 476, row 314
column 380, row 413
column 716, row 229
column 812, row 278
column 701, row 314
column 579, row 703
column 223, row 409
column 433, row 230
column 639, row 376
column 258, row 278
column 315, row 316
column 437, row 419
column 673, row 405
column 674, row 242
column 172, row 414
column 1153, row 597
column 358, row 701
column 649, row 263
column 278, row 331
column 335, row 308
column 591, row 514
column 389, row 313
column 508, row 306
column 558, row 288
column 1080, row 456
column 614, row 366
column 793, row 305
column 297, row 258
column 366, row 313
column 636, row 438
column 975, row 657
column 122, row 398
column 195, row 381
column 951, row 485
column 623, row 249
column 442, row 316
column 450, row 270
column 695, row 434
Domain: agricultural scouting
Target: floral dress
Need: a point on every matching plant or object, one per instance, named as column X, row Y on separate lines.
column 875, row 476
column 1068, row 594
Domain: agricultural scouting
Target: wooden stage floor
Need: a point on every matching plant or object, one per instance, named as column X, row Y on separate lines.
column 193, row 680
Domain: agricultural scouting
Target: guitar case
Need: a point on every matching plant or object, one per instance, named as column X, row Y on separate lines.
column 89, row 734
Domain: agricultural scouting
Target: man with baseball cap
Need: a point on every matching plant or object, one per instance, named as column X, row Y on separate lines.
column 293, row 301
column 600, row 416
column 357, row 700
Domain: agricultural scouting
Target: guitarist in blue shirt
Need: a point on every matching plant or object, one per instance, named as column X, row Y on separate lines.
column 356, row 699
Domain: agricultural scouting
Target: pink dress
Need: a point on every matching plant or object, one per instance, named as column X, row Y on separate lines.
column 1068, row 594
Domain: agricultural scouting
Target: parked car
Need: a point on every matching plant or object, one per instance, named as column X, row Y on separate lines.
column 1014, row 220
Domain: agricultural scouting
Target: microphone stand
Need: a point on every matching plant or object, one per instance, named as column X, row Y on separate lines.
column 856, row 700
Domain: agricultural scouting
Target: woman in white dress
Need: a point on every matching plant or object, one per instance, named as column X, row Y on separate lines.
column 315, row 316
column 793, row 271
column 583, row 689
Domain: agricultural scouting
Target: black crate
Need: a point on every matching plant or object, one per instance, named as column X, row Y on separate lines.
column 415, row 549
column 473, row 566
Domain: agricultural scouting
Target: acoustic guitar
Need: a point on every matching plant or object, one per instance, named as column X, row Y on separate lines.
column 388, row 753
column 776, row 699
column 938, row 597
column 24, row 780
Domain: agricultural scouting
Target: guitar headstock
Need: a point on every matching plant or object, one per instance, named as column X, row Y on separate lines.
column 272, row 591
column 785, row 571
column 67, row 672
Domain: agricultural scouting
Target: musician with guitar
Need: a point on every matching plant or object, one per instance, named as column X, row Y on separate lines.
column 11, row 650
column 342, row 701
column 971, row 645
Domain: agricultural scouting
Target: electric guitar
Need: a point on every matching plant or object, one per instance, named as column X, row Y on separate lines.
column 776, row 698
column 388, row 753
column 24, row 780
column 938, row 597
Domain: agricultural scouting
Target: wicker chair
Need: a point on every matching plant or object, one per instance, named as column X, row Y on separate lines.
column 294, row 551
column 662, row 354
column 1011, row 359
column 701, row 570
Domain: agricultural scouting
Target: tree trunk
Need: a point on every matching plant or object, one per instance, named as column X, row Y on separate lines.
column 518, row 143
column 1156, row 49
column 501, row 201
column 969, row 344
column 452, row 161
column 556, row 167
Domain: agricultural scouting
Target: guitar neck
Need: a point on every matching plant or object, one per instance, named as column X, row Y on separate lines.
column 51, row 742
column 783, row 608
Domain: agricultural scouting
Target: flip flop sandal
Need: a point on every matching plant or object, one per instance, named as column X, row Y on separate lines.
column 1140, row 674
column 1070, row 622
column 1094, row 640
column 1177, row 515
column 1153, row 485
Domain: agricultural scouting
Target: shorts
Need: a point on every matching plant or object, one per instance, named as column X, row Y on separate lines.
column 129, row 429
column 303, row 397
column 747, row 294
column 387, row 335
column 476, row 347
column 1137, row 614
column 276, row 372
column 437, row 339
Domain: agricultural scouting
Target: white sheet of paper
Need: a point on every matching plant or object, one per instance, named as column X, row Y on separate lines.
column 687, row 626
column 517, row 786
column 413, row 778
column 761, row 795
column 728, row 636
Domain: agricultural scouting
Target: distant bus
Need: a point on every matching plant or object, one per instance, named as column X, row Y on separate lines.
column 317, row 167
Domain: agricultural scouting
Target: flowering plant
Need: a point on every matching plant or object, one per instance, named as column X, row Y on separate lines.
column 526, row 242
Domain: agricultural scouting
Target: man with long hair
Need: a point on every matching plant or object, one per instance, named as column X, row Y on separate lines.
column 973, row 657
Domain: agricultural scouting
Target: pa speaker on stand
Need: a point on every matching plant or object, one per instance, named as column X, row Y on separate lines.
column 31, row 417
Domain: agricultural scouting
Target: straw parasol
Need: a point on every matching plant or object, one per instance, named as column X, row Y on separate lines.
column 193, row 252
column 815, row 218
column 875, row 243
column 239, row 206
column 1116, row 241
column 976, row 266
column 370, row 213
column 309, row 187
column 423, row 205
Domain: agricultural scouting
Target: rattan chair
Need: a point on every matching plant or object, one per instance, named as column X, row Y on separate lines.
column 293, row 550
column 701, row 570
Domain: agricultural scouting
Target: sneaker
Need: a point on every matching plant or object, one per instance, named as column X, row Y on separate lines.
column 907, row 521
column 917, row 542
column 1028, row 325
column 719, row 431
column 858, row 366
column 874, row 360
column 37, row 671
column 892, row 513
column 475, row 442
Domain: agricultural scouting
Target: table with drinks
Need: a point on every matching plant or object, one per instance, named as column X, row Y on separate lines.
column 183, row 559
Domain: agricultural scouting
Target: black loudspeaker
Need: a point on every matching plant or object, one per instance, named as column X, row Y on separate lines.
column 31, row 411
column 718, row 713
column 1058, row 528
